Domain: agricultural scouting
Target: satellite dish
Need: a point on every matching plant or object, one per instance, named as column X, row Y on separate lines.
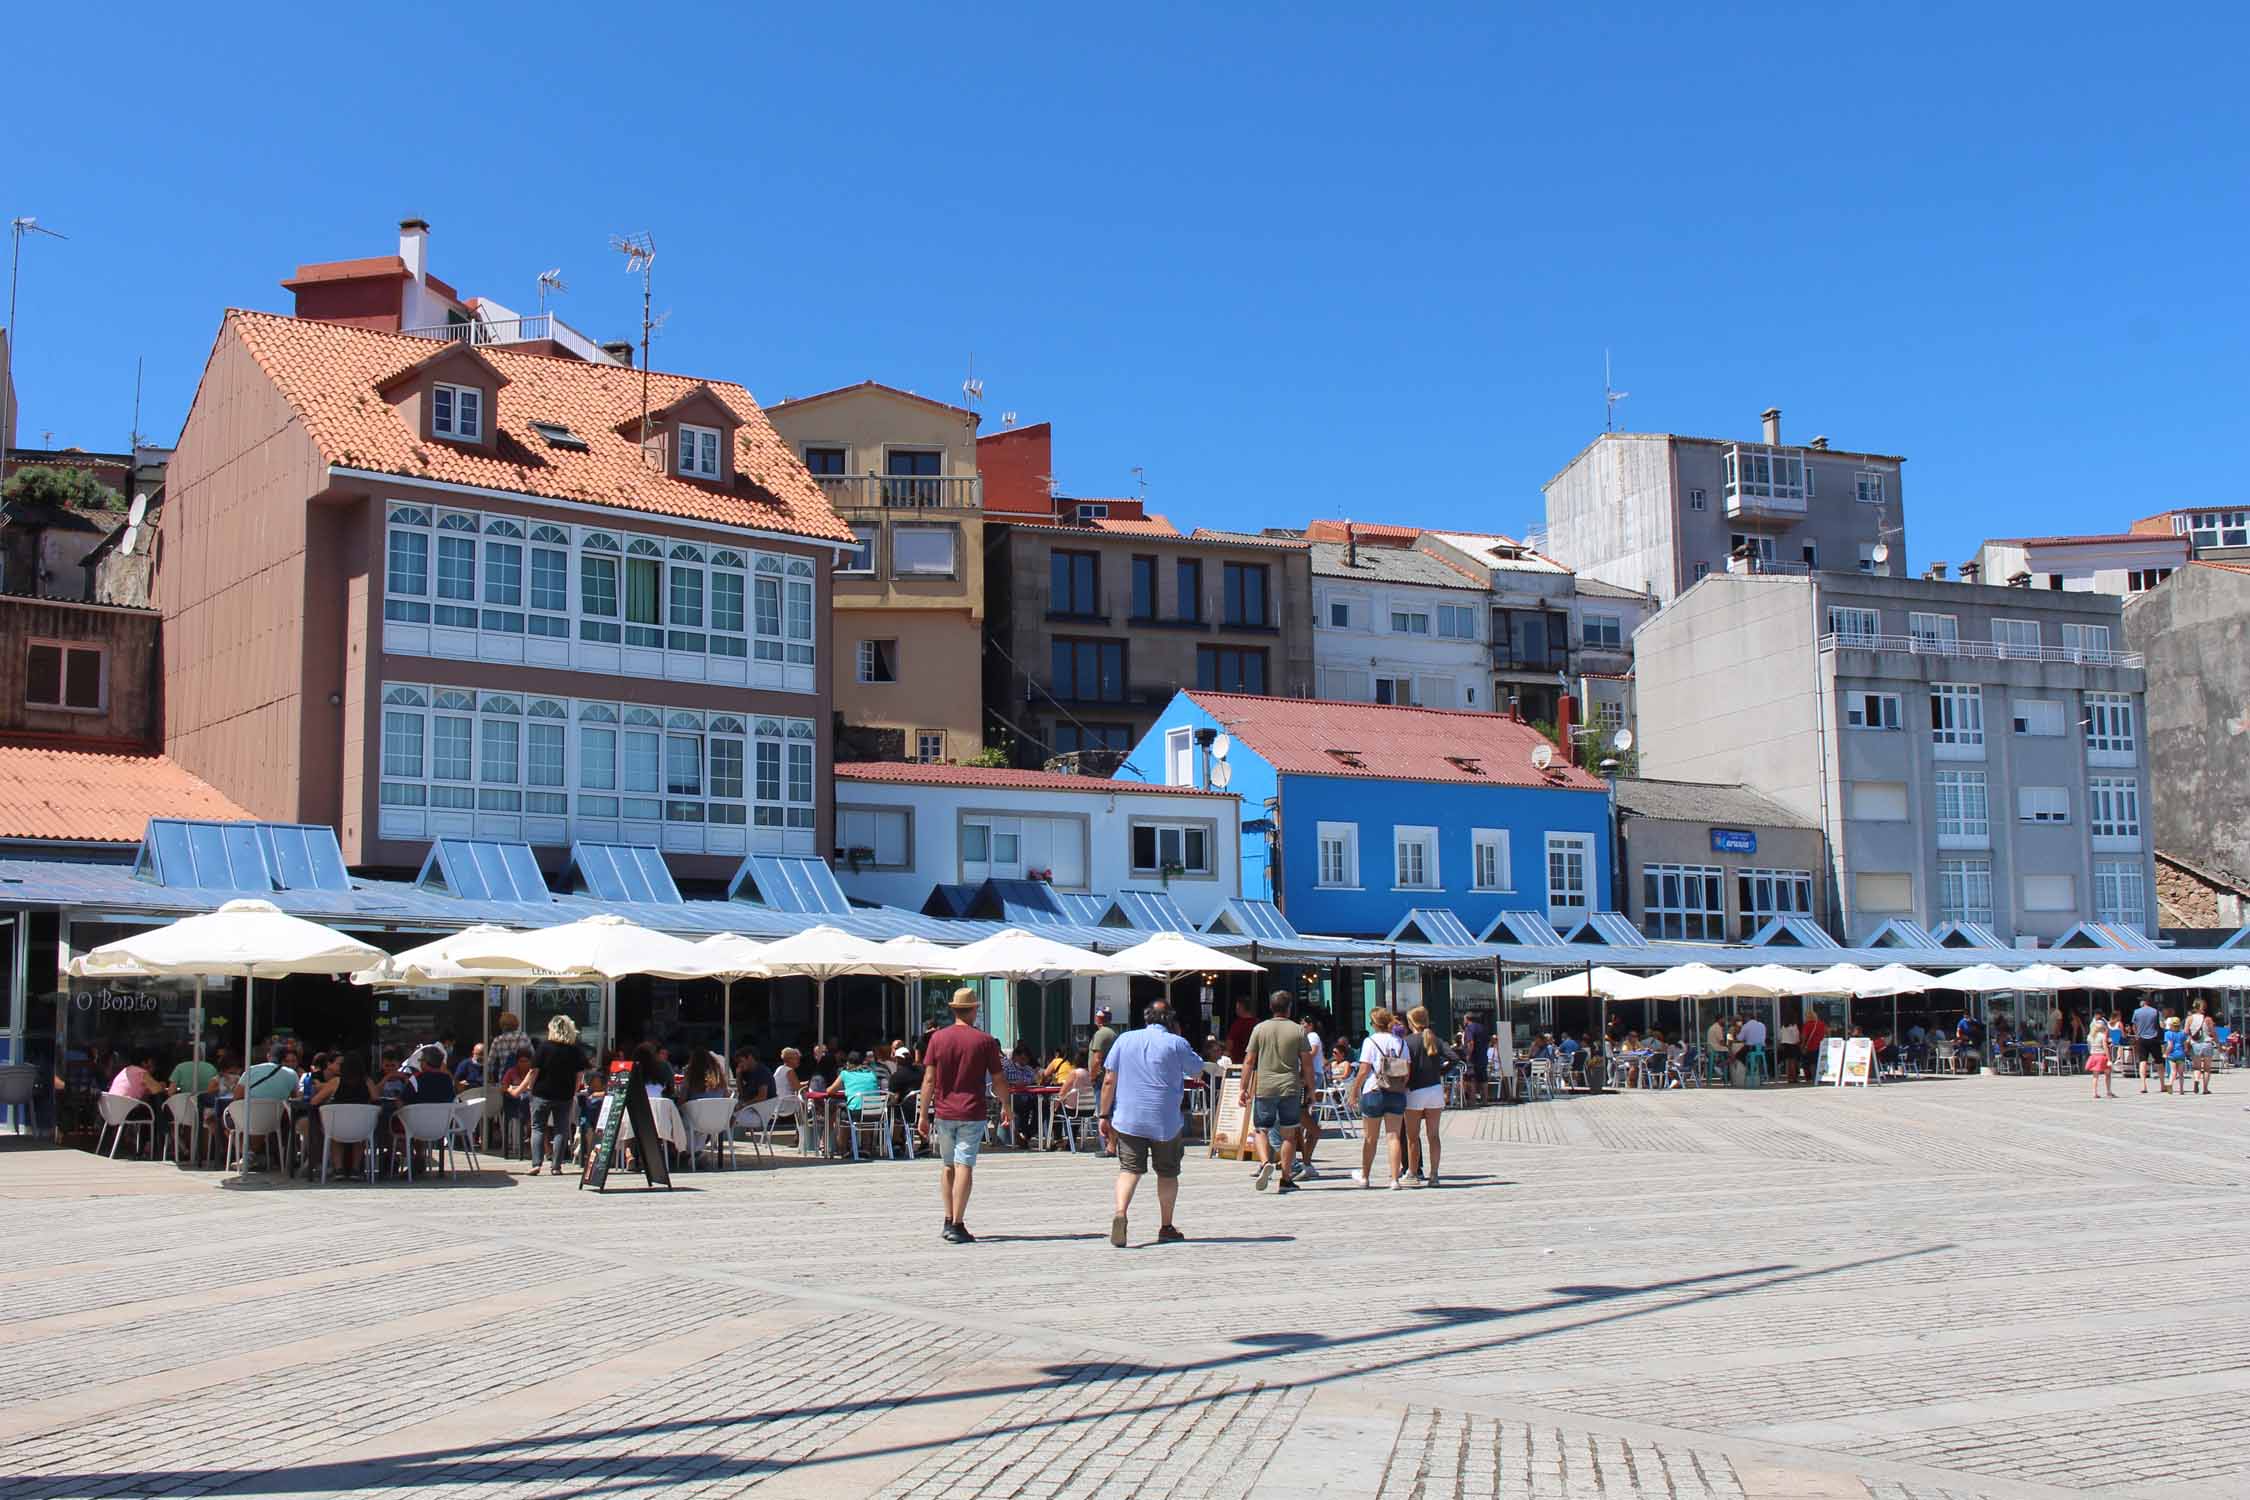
column 1542, row 756
column 1882, row 553
column 139, row 512
column 1621, row 741
column 1221, row 745
column 132, row 536
column 1222, row 774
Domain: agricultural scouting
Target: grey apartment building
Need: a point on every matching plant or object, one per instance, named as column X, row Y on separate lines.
column 1972, row 753
column 1653, row 512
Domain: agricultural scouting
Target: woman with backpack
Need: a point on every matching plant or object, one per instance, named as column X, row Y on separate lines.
column 1379, row 1083
column 1427, row 1058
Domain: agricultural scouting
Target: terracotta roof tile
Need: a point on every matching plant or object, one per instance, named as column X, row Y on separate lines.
column 1136, row 525
column 1375, row 533
column 329, row 373
column 58, row 792
column 1303, row 736
column 910, row 773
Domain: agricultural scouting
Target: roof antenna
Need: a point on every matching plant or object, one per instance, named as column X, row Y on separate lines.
column 972, row 393
column 550, row 280
column 1140, row 478
column 1611, row 395
column 639, row 251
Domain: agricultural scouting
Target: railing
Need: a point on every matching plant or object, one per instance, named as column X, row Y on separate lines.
column 1506, row 658
column 1975, row 650
column 537, row 328
column 902, row 491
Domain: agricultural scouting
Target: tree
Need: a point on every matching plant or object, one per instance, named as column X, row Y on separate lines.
column 66, row 489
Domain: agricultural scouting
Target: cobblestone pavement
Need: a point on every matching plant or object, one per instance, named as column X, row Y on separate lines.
column 1982, row 1289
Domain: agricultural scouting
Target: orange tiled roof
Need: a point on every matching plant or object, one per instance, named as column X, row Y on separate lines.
column 1366, row 531
column 1136, row 525
column 62, row 792
column 329, row 373
column 1321, row 737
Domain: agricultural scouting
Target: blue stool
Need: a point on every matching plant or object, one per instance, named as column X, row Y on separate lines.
column 1755, row 1073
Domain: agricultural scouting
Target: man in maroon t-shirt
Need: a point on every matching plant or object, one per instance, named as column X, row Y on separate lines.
column 959, row 1062
column 1238, row 1035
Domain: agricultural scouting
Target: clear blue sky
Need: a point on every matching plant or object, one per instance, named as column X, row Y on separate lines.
column 1355, row 261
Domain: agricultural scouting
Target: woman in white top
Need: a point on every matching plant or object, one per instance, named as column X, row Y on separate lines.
column 2202, row 1045
column 1427, row 1060
column 2097, row 1056
column 1379, row 1084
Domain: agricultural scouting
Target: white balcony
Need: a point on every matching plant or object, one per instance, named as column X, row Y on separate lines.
column 531, row 329
column 902, row 491
column 1975, row 650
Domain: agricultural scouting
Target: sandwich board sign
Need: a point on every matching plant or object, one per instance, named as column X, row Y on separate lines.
column 1230, row 1121
column 647, row 1144
column 1859, row 1062
column 1831, row 1061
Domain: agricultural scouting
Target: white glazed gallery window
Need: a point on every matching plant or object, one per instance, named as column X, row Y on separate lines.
column 1416, row 858
column 2109, row 729
column 2039, row 716
column 2120, row 893
column 457, row 411
column 1965, row 890
column 2113, row 811
column 699, row 452
column 1570, row 863
column 2043, row 804
column 1964, row 819
column 1765, row 894
column 1957, row 720
column 1488, row 854
column 1871, row 710
column 1339, row 855
column 1684, row 901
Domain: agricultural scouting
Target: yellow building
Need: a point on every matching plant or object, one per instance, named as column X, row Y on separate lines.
column 901, row 470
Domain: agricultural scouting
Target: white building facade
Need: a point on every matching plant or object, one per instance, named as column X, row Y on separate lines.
column 1397, row 625
column 2123, row 564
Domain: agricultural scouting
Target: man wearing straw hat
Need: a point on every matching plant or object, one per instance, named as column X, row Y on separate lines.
column 957, row 1065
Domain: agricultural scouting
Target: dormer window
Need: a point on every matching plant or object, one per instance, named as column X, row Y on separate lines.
column 457, row 412
column 699, row 452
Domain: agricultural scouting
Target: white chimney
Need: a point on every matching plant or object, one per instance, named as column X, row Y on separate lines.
column 414, row 248
column 1771, row 416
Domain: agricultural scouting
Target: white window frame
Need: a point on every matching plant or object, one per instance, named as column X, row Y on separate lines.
column 1456, row 622
column 929, row 747
column 1570, row 870
column 64, row 650
column 2110, row 737
column 1957, row 720
column 1180, row 831
column 456, row 412
column 1962, row 807
column 1864, row 709
column 1698, row 499
column 1867, row 557
column 871, row 821
column 1854, row 626
column 848, row 564
column 700, row 451
column 1409, row 617
column 2086, row 642
column 2009, row 639
column 1179, row 757
column 904, row 567
column 1414, row 845
column 1601, row 632
column 2121, row 893
column 1684, row 903
column 2046, row 722
column 2113, row 812
column 1489, row 869
column 1965, row 890
column 2048, row 806
column 1401, row 685
column 1867, row 486
column 1934, row 633
column 870, row 656
column 1337, row 846
column 1764, row 894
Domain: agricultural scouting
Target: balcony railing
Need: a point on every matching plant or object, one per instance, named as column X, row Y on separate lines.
column 1975, row 650
column 902, row 491
column 532, row 329
column 1508, row 657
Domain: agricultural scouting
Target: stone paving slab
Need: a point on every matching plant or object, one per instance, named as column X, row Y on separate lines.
column 1984, row 1289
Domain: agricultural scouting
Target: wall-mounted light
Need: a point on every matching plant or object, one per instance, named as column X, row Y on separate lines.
column 335, row 700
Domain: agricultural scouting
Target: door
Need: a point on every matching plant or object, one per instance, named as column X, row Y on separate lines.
column 1570, row 867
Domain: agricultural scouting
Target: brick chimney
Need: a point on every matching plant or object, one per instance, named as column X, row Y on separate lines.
column 1771, row 416
column 1564, row 740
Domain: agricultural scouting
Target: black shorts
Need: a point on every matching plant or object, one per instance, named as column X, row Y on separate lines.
column 2148, row 1049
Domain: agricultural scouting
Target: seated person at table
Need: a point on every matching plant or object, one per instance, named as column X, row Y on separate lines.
column 699, row 1079
column 271, row 1079
column 137, row 1079
column 1057, row 1071
column 652, row 1071
column 1017, row 1069
column 785, row 1077
column 469, row 1072
column 345, row 1081
column 192, row 1077
column 753, row 1081
column 906, row 1078
column 858, row 1080
column 431, row 1084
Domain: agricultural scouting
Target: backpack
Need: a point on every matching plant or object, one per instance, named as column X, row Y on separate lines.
column 1393, row 1069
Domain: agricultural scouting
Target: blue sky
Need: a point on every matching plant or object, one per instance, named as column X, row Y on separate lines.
column 1333, row 261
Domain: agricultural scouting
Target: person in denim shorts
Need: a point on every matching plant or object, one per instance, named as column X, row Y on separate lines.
column 1379, row 1083
column 957, row 1065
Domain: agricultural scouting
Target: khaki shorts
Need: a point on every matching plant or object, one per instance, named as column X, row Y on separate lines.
column 1135, row 1151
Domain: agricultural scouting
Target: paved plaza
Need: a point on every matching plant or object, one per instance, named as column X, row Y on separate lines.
column 1957, row 1288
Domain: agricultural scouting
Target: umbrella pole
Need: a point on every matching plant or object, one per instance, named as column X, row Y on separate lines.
column 249, row 1045
column 726, row 1023
column 820, row 1015
column 195, row 1128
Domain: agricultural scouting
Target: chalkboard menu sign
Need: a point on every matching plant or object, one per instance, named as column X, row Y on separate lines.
column 647, row 1144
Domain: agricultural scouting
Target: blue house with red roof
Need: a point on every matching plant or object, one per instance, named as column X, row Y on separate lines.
column 1355, row 814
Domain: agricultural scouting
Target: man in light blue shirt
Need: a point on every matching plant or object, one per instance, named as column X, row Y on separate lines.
column 1144, row 1099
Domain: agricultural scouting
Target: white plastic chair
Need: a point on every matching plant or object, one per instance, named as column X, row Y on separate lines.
column 710, row 1122
column 468, row 1114
column 120, row 1113
column 179, row 1130
column 19, row 1083
column 428, row 1125
column 350, row 1125
column 253, row 1119
column 1542, row 1081
column 763, row 1118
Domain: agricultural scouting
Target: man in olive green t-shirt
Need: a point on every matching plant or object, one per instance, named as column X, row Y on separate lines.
column 1276, row 1067
column 1104, row 1038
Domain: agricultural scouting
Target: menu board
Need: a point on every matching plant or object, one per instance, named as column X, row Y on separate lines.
column 647, row 1144
column 1859, row 1062
column 1831, row 1061
column 1230, row 1118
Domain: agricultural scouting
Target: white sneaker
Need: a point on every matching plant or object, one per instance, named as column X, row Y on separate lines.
column 1359, row 1179
column 1397, row 1183
column 1307, row 1172
column 1265, row 1175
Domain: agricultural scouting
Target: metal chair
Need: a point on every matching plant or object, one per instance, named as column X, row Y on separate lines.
column 349, row 1125
column 710, row 1122
column 870, row 1116
column 248, row 1120
column 120, row 1113
column 1078, row 1111
column 1541, row 1081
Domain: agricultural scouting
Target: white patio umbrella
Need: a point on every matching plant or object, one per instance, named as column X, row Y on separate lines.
column 731, row 956
column 2105, row 977
column 1978, row 979
column 1781, row 980
column 1585, row 984
column 1168, row 955
column 1016, row 955
column 604, row 946
column 1898, row 979
column 909, row 958
column 2155, row 979
column 820, row 954
column 2044, row 976
column 2233, row 977
column 252, row 940
column 435, row 963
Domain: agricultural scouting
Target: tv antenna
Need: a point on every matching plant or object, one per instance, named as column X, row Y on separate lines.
column 1884, row 531
column 1140, row 481
column 1611, row 395
column 639, row 251
column 551, row 280
column 18, row 227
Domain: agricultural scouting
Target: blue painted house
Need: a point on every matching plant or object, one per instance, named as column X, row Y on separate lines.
column 1355, row 814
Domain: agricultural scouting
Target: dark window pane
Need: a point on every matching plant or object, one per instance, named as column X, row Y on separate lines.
column 1191, row 589
column 1253, row 671
column 1144, row 588
column 918, row 464
column 83, row 685
column 825, row 460
column 43, row 675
